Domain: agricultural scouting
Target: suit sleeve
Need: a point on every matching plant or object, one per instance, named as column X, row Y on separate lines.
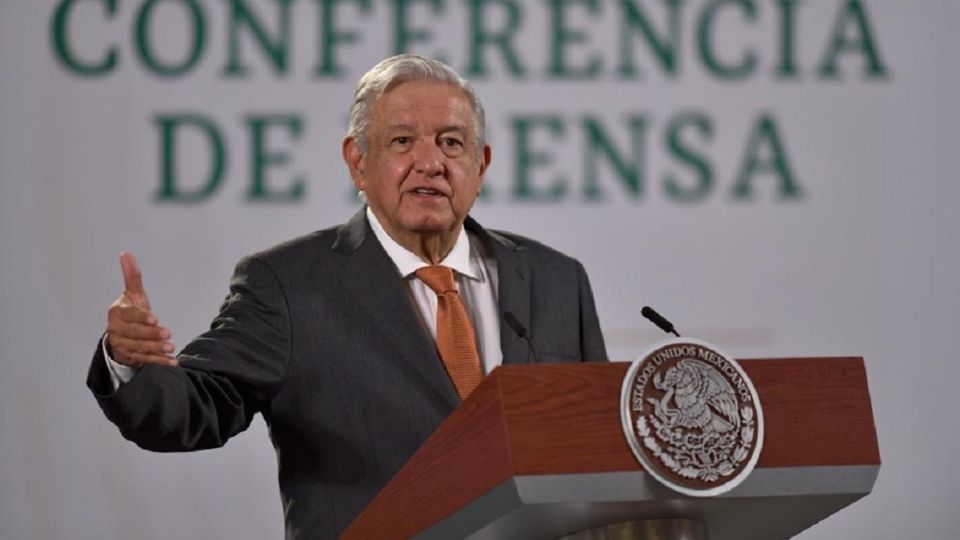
column 224, row 378
column 592, row 348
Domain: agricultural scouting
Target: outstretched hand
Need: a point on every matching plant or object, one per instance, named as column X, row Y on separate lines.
column 134, row 336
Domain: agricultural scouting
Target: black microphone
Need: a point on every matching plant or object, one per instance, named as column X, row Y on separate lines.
column 521, row 331
column 658, row 320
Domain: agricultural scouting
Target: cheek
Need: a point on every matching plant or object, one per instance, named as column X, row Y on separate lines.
column 394, row 172
column 467, row 193
column 466, row 174
column 470, row 183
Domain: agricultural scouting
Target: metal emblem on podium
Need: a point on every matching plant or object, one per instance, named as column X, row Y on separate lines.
column 692, row 417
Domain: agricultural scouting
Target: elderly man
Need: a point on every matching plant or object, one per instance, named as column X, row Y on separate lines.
column 355, row 342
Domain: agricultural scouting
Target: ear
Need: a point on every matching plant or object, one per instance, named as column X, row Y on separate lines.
column 484, row 164
column 353, row 157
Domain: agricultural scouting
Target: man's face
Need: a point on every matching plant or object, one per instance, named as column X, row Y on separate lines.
column 421, row 173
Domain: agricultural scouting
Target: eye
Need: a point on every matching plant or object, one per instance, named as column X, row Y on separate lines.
column 451, row 146
column 401, row 141
column 451, row 142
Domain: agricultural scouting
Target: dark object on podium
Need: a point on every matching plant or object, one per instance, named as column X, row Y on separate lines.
column 538, row 452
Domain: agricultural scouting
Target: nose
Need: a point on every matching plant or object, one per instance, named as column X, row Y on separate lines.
column 428, row 159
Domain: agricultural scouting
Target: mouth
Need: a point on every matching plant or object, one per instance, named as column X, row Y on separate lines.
column 427, row 192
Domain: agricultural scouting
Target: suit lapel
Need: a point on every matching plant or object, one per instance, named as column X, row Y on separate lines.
column 513, row 292
column 376, row 285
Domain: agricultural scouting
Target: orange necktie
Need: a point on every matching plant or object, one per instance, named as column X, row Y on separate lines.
column 456, row 340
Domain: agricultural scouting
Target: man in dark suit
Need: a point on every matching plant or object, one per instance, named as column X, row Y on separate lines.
column 339, row 338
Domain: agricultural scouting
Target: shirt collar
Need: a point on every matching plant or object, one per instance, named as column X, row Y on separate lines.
column 462, row 259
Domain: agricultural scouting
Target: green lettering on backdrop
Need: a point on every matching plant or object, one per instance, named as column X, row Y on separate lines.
column 481, row 38
column 169, row 126
column 788, row 54
column 331, row 38
column 403, row 34
column 863, row 42
column 664, row 48
column 145, row 43
column 748, row 60
column 528, row 158
column 599, row 143
column 262, row 158
column 563, row 36
column 276, row 49
column 61, row 45
column 678, row 148
column 765, row 139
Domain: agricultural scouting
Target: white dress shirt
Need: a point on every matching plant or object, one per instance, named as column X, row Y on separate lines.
column 475, row 274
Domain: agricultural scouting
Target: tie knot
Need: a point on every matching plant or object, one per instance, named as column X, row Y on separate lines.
column 438, row 278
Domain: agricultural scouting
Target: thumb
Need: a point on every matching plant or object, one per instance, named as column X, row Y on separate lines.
column 132, row 280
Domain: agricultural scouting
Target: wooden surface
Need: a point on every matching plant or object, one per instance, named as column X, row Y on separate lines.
column 816, row 412
column 564, row 418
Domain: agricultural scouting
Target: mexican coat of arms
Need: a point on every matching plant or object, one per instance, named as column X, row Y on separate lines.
column 692, row 417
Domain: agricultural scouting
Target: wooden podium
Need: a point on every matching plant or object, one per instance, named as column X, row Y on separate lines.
column 538, row 452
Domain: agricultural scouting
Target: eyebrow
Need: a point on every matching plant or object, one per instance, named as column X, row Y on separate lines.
column 444, row 129
column 454, row 127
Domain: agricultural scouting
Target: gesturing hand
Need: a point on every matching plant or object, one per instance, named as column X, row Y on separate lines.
column 133, row 336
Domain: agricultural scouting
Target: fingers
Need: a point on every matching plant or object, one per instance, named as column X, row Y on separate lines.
column 134, row 352
column 141, row 346
column 133, row 280
column 135, row 337
column 134, row 330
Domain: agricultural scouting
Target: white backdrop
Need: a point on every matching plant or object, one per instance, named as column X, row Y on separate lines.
column 863, row 262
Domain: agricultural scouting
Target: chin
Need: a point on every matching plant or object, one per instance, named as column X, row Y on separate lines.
column 432, row 224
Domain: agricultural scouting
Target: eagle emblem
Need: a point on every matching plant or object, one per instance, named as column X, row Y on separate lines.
column 702, row 398
column 692, row 417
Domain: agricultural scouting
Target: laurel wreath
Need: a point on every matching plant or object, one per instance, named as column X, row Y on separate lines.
column 707, row 474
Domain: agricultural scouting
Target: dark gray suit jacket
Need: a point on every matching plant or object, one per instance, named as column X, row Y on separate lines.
column 319, row 336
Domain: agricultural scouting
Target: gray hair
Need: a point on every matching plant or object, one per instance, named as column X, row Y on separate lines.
column 399, row 69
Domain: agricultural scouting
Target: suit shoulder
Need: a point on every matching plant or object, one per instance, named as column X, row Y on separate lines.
column 313, row 247
column 532, row 249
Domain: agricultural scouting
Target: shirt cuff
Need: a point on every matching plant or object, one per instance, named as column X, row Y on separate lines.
column 119, row 373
